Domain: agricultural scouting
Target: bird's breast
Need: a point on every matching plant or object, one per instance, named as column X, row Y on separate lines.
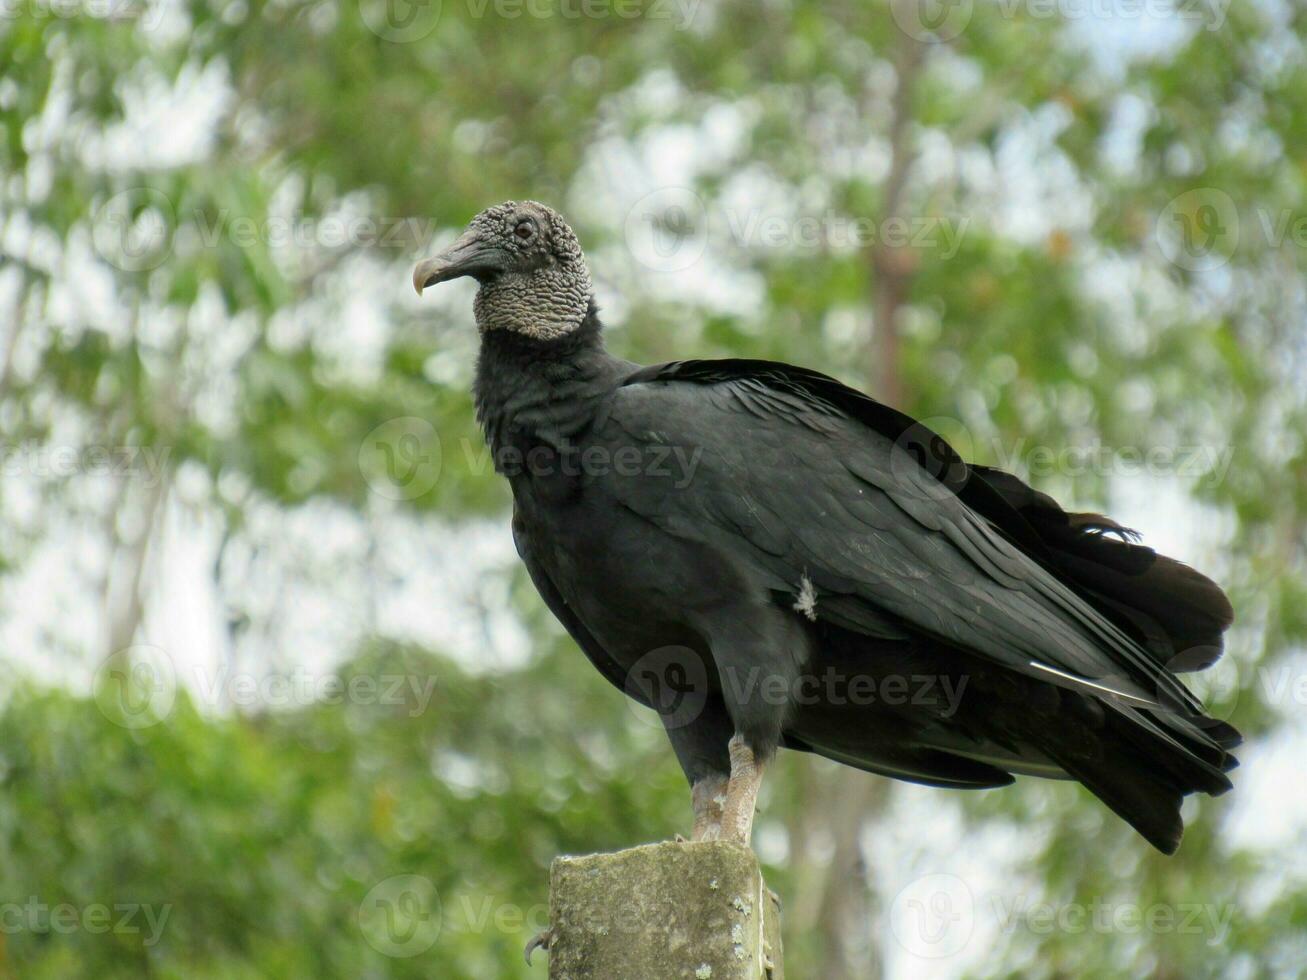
column 634, row 586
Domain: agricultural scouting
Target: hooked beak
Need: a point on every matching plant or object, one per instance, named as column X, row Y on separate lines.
column 468, row 256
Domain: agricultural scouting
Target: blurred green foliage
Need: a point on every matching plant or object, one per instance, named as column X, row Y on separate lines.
column 1067, row 316
column 255, row 840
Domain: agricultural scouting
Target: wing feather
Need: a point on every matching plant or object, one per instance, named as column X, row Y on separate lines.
column 801, row 488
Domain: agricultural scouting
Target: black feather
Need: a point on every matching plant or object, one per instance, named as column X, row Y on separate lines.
column 913, row 564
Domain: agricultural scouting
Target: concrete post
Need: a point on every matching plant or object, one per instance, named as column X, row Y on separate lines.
column 698, row 911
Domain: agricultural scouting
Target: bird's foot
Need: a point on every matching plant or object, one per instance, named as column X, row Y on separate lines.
column 542, row 941
column 742, row 793
column 723, row 807
column 708, row 796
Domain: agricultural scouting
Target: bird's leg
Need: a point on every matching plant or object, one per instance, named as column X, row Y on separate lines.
column 708, row 796
column 742, row 793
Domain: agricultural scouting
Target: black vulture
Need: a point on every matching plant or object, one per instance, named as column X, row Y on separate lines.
column 769, row 558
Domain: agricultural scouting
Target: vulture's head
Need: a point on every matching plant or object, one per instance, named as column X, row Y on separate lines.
column 529, row 264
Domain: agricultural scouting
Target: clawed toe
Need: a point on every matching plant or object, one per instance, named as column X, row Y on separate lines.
column 543, row 941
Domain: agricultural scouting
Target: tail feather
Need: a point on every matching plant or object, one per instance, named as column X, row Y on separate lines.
column 1150, row 806
column 1143, row 763
column 1177, row 613
column 1140, row 761
column 1173, row 611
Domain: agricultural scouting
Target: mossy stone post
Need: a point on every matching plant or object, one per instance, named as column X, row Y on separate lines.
column 698, row 911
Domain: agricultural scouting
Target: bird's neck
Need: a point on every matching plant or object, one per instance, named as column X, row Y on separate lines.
column 545, row 304
column 532, row 392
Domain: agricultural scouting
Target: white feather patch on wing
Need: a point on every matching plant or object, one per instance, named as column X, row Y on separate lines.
column 807, row 600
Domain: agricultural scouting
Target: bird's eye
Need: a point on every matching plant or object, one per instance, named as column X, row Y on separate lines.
column 524, row 230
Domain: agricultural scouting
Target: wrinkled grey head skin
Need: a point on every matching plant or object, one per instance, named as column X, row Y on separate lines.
column 532, row 272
